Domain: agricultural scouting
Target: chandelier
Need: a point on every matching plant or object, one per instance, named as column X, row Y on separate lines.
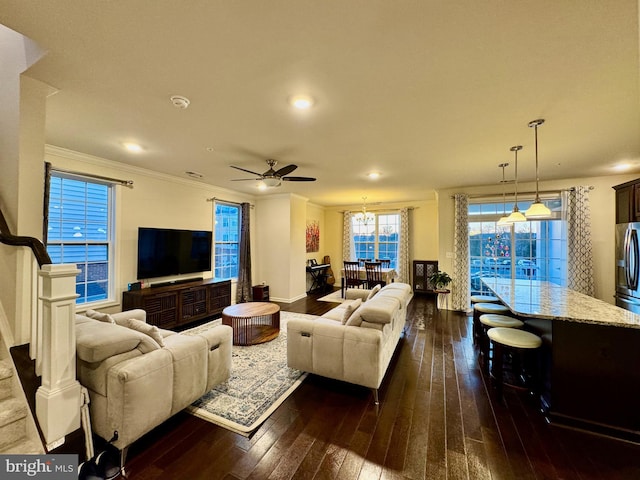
column 363, row 216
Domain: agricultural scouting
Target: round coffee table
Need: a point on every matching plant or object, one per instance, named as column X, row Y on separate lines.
column 253, row 322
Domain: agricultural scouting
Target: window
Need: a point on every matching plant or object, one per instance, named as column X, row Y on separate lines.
column 535, row 249
column 227, row 241
column 80, row 231
column 376, row 237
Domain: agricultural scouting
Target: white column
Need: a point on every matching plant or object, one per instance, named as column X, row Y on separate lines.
column 58, row 398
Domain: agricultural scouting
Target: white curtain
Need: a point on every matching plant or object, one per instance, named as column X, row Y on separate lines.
column 347, row 235
column 579, row 248
column 404, row 267
column 460, row 286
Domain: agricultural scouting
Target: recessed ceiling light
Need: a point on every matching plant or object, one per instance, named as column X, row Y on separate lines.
column 302, row 102
column 374, row 175
column 622, row 167
column 133, row 147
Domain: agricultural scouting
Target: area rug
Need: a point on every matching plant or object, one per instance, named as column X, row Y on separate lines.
column 335, row 297
column 260, row 381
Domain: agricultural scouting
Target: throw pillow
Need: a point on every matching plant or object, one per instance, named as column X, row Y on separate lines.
column 142, row 327
column 348, row 311
column 355, row 320
column 102, row 317
column 373, row 291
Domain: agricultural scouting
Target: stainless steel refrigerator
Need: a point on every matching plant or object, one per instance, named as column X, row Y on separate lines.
column 628, row 266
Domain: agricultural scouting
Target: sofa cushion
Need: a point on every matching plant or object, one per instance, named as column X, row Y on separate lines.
column 355, row 320
column 373, row 291
column 379, row 310
column 375, row 326
column 143, row 327
column 96, row 341
column 338, row 312
column 350, row 309
column 398, row 287
column 102, row 317
column 355, row 293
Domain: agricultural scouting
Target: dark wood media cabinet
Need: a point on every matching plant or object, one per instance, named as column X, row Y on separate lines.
column 174, row 305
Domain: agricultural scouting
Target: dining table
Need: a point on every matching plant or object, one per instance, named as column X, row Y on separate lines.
column 589, row 357
column 388, row 273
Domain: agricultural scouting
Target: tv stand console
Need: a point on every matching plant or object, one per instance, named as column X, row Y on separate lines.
column 175, row 305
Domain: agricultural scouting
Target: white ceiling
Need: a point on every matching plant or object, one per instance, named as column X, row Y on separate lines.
column 430, row 93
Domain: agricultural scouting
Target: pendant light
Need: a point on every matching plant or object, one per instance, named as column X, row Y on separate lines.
column 537, row 208
column 503, row 219
column 516, row 215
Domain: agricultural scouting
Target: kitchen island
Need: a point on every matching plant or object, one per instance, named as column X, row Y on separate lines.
column 590, row 355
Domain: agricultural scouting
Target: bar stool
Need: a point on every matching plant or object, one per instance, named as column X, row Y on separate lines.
column 519, row 343
column 493, row 320
column 480, row 309
column 484, row 299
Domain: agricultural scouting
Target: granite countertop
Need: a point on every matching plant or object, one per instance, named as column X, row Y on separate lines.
column 538, row 299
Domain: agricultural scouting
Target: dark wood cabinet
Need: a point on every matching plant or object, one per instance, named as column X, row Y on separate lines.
column 628, row 202
column 260, row 293
column 422, row 270
column 175, row 305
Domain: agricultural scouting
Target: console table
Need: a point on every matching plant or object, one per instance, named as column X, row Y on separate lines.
column 179, row 304
column 252, row 323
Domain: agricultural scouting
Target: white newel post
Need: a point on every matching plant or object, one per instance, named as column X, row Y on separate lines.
column 58, row 398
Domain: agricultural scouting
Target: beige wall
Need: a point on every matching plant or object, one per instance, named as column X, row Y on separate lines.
column 156, row 200
column 602, row 199
column 21, row 133
column 423, row 230
column 280, row 248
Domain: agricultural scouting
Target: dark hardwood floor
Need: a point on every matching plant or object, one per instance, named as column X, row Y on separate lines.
column 436, row 420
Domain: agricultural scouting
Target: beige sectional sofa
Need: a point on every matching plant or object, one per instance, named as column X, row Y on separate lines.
column 355, row 341
column 139, row 375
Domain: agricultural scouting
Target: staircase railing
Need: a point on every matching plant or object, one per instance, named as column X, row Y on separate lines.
column 53, row 340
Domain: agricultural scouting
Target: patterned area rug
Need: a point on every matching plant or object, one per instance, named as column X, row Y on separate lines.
column 260, row 381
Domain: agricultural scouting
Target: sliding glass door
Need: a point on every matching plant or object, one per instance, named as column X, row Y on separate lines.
column 535, row 249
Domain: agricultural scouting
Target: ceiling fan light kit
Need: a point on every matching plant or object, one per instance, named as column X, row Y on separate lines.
column 272, row 178
column 271, row 182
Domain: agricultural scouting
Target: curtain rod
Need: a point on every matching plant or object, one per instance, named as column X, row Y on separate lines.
column 379, row 209
column 213, row 199
column 126, row 183
column 541, row 192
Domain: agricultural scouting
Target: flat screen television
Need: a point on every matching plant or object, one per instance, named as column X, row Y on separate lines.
column 163, row 252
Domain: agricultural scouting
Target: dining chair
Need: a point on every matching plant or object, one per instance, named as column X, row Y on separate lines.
column 374, row 274
column 386, row 262
column 352, row 275
column 362, row 261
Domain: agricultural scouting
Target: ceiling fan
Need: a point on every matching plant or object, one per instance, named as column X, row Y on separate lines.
column 273, row 178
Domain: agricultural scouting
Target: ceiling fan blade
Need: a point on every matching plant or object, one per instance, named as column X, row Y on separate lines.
column 298, row 179
column 245, row 179
column 245, row 170
column 286, row 170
